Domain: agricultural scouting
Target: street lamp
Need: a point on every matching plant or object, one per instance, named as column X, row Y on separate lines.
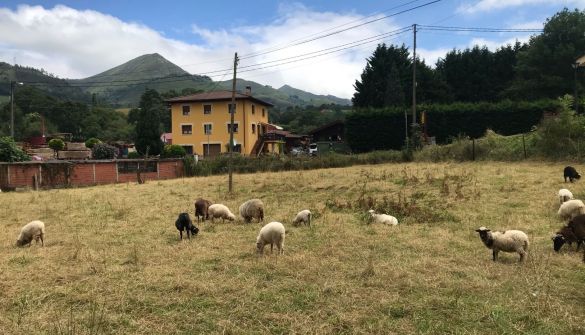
column 12, row 87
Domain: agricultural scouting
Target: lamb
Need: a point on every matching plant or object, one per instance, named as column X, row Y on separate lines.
column 303, row 217
column 574, row 231
column 383, row 218
column 220, row 211
column 565, row 195
column 201, row 208
column 571, row 208
column 252, row 209
column 184, row 222
column 508, row 241
column 571, row 173
column 272, row 233
column 34, row 229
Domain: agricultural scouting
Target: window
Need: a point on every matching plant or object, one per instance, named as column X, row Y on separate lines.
column 253, row 109
column 188, row 149
column 207, row 128
column 253, row 129
column 186, row 110
column 263, row 112
column 230, row 106
column 235, row 128
column 206, row 109
column 187, row 129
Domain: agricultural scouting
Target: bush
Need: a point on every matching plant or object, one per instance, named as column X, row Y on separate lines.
column 57, row 144
column 133, row 155
column 173, row 151
column 91, row 142
column 9, row 152
column 103, row 151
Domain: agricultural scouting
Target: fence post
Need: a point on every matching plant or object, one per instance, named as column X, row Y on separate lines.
column 524, row 146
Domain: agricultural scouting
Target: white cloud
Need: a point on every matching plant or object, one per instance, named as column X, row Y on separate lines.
column 492, row 5
column 79, row 43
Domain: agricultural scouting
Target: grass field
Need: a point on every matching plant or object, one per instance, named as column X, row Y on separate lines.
column 113, row 264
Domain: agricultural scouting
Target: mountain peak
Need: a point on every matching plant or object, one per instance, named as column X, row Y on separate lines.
column 143, row 67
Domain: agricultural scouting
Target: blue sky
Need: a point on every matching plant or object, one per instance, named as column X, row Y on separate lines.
column 76, row 39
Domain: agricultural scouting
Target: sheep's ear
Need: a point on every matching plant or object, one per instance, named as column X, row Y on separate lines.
column 477, row 230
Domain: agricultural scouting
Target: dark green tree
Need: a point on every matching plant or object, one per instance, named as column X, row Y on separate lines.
column 148, row 129
column 545, row 68
column 9, row 152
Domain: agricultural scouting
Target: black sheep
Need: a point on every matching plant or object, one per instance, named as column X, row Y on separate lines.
column 184, row 223
column 574, row 231
column 571, row 173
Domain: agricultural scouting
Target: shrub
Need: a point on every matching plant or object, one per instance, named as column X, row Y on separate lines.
column 103, row 151
column 173, row 150
column 56, row 144
column 91, row 142
column 133, row 155
column 9, row 152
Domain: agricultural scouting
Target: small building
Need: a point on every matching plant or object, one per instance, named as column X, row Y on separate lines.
column 201, row 122
column 334, row 131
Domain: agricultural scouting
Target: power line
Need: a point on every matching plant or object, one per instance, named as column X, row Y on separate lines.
column 480, row 29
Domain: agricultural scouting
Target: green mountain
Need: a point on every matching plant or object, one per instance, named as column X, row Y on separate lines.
column 123, row 85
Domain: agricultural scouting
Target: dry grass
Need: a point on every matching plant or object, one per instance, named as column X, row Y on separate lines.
column 113, row 264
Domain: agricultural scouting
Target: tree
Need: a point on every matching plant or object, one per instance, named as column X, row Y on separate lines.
column 545, row 68
column 9, row 152
column 148, row 123
column 103, row 151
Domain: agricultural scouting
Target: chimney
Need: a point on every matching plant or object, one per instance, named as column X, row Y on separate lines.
column 248, row 90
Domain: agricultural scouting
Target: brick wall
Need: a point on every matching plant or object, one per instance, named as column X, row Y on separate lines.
column 79, row 173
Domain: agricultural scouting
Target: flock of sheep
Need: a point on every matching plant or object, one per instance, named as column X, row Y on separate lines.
column 517, row 241
column 274, row 233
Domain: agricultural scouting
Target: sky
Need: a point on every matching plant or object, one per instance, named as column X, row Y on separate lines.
column 318, row 46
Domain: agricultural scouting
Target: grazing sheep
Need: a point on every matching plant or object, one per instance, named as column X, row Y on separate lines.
column 201, row 207
column 33, row 229
column 571, row 208
column 383, row 218
column 565, row 195
column 184, row 223
column 574, row 231
column 272, row 233
column 571, row 173
column 252, row 209
column 303, row 217
column 508, row 241
column 220, row 211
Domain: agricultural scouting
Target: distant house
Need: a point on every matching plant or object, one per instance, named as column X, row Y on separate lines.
column 334, row 131
column 201, row 122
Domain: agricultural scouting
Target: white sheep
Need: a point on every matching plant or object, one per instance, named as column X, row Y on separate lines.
column 272, row 233
column 383, row 218
column 571, row 208
column 507, row 241
column 220, row 211
column 33, row 229
column 565, row 195
column 303, row 217
column 252, row 209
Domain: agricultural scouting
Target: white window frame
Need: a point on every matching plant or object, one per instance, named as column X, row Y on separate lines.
column 183, row 110
column 237, row 123
column 210, row 109
column 186, row 124
column 210, row 124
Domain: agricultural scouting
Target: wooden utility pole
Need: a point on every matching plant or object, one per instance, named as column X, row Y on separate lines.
column 232, row 111
column 414, row 77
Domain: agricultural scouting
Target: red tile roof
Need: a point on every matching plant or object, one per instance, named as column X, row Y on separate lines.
column 215, row 96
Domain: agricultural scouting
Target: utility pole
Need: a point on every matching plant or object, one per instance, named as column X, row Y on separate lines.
column 414, row 78
column 12, row 85
column 232, row 111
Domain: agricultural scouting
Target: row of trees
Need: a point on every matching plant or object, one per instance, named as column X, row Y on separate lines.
column 542, row 68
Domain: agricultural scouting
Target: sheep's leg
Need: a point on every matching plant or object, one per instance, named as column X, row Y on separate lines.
column 281, row 248
column 42, row 241
column 522, row 255
column 271, row 246
column 579, row 244
column 495, row 255
column 181, row 234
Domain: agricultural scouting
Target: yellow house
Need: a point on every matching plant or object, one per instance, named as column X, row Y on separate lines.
column 201, row 122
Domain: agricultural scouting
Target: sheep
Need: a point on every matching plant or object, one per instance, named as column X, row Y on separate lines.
column 220, row 211
column 565, row 195
column 383, row 218
column 571, row 208
column 34, row 229
column 201, row 207
column 508, row 241
column 184, row 222
column 571, row 173
column 272, row 233
column 252, row 209
column 574, row 231
column 303, row 217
